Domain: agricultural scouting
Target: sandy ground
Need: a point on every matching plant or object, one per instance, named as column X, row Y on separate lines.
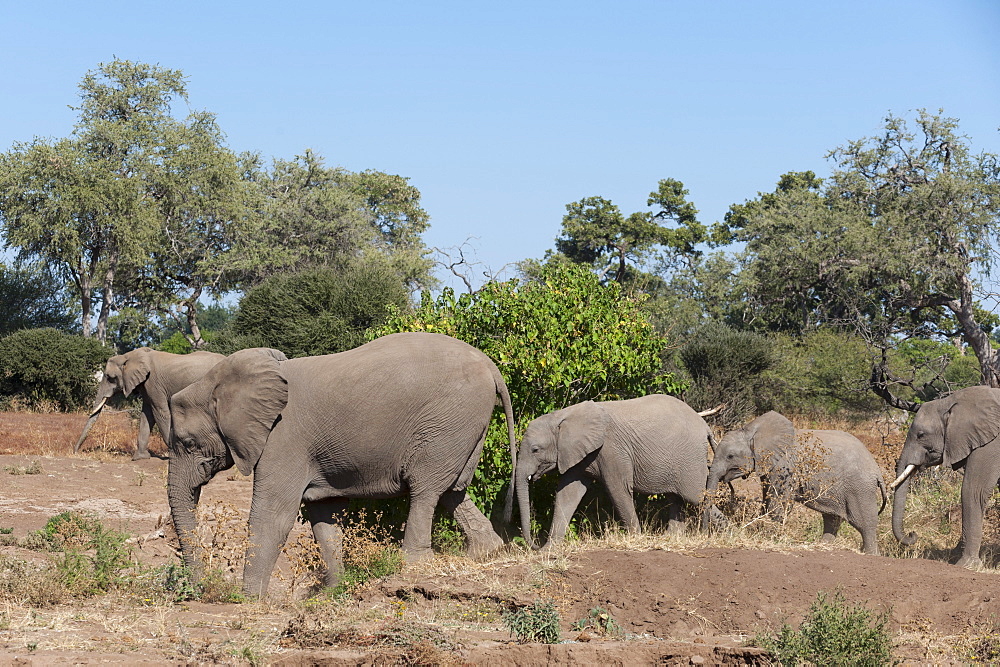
column 676, row 604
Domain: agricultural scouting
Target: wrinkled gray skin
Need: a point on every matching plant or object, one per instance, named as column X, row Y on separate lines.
column 654, row 444
column 155, row 376
column 960, row 431
column 845, row 483
column 406, row 414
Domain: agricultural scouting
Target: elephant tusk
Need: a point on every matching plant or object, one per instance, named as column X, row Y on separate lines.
column 902, row 478
column 98, row 407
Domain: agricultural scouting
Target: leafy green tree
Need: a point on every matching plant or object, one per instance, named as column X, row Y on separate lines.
column 47, row 366
column 595, row 231
column 891, row 244
column 31, row 298
column 558, row 340
column 123, row 193
column 312, row 215
column 316, row 311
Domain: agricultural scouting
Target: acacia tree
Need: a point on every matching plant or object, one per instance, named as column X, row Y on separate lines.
column 310, row 215
column 98, row 205
column 596, row 232
column 894, row 244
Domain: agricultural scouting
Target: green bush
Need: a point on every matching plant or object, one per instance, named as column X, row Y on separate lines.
column 833, row 633
column 823, row 371
column 538, row 622
column 46, row 367
column 558, row 340
column 727, row 367
column 319, row 311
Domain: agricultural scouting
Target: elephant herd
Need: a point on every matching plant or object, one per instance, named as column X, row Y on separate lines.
column 407, row 415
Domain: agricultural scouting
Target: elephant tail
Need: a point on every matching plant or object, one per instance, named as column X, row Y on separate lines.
column 883, row 491
column 508, row 411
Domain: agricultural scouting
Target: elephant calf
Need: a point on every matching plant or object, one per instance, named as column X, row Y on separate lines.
column 654, row 444
column 831, row 472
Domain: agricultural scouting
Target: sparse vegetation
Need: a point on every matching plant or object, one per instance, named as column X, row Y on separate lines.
column 834, row 632
column 538, row 622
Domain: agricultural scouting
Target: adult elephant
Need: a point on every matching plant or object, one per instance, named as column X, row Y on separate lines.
column 654, row 444
column 960, row 431
column 831, row 472
column 406, row 414
column 155, row 376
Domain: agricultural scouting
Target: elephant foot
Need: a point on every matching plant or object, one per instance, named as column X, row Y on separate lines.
column 484, row 546
column 139, row 456
column 827, row 538
column 969, row 562
column 417, row 555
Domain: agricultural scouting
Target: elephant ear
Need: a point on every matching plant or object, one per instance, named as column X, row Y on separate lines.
column 249, row 396
column 581, row 431
column 136, row 369
column 972, row 421
column 773, row 432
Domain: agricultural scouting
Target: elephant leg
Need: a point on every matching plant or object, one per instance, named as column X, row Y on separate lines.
column 570, row 491
column 480, row 537
column 272, row 515
column 621, row 499
column 675, row 515
column 326, row 517
column 863, row 516
column 145, row 426
column 981, row 473
column 417, row 534
column 831, row 524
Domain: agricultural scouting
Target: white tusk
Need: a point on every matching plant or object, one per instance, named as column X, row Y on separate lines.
column 902, row 478
column 100, row 406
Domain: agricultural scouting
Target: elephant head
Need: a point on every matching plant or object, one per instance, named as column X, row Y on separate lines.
column 739, row 452
column 122, row 374
column 944, row 432
column 560, row 439
column 223, row 418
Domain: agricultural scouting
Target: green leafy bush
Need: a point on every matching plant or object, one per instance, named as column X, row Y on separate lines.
column 558, row 340
column 46, row 367
column 727, row 367
column 823, row 371
column 833, row 633
column 319, row 311
column 538, row 622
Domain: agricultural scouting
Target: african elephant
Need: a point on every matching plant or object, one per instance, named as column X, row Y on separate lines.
column 654, row 444
column 960, row 431
column 155, row 376
column 831, row 472
column 405, row 414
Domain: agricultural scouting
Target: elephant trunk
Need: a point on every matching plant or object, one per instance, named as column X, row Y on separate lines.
column 898, row 509
column 524, row 505
column 183, row 497
column 711, row 487
column 94, row 414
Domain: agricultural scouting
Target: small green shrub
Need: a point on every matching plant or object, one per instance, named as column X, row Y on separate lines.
column 47, row 366
column 601, row 621
column 833, row 633
column 538, row 622
column 94, row 557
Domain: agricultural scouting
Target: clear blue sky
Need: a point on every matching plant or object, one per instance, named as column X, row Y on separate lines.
column 502, row 113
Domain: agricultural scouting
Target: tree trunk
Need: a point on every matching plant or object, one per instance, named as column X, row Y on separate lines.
column 973, row 333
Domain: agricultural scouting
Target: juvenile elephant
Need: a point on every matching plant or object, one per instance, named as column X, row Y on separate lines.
column 831, row 472
column 654, row 444
column 404, row 414
column 155, row 376
column 960, row 431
